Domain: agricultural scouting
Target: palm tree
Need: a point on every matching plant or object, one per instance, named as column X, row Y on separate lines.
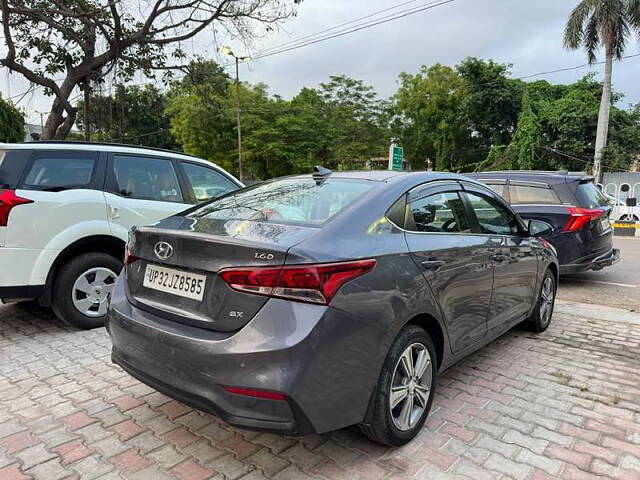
column 608, row 23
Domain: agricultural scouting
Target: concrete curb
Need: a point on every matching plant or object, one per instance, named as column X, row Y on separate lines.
column 625, row 229
column 597, row 312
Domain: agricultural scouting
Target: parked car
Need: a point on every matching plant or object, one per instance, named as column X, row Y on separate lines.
column 66, row 210
column 572, row 204
column 310, row 303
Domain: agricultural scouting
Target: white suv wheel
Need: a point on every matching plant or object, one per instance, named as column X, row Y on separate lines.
column 91, row 291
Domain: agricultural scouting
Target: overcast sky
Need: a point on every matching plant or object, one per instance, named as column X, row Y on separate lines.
column 527, row 34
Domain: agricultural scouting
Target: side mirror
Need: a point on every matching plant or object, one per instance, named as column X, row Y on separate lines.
column 538, row 228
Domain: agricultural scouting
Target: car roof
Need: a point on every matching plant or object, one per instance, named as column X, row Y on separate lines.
column 388, row 176
column 110, row 147
column 550, row 177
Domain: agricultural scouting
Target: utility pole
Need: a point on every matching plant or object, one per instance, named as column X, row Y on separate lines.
column 41, row 120
column 228, row 51
column 240, row 173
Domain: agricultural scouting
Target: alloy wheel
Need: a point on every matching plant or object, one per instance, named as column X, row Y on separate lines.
column 91, row 291
column 547, row 296
column 411, row 386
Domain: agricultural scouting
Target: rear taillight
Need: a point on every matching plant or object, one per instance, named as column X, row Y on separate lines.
column 129, row 258
column 579, row 217
column 8, row 200
column 315, row 283
column 247, row 392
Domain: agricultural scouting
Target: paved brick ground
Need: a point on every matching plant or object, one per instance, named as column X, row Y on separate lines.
column 565, row 404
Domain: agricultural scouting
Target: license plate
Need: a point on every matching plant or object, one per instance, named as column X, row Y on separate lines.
column 605, row 224
column 177, row 282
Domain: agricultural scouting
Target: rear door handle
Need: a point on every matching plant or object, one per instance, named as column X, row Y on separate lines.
column 432, row 265
column 114, row 212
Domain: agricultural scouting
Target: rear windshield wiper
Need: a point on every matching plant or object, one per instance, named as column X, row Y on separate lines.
column 58, row 188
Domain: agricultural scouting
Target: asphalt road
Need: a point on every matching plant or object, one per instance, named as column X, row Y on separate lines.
column 616, row 286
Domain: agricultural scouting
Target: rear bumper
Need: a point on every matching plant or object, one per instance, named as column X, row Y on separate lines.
column 294, row 348
column 597, row 263
column 19, row 272
column 213, row 404
column 17, row 266
column 25, row 271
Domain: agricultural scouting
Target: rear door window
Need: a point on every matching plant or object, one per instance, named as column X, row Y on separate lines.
column 207, row 183
column 437, row 213
column 299, row 201
column 590, row 196
column 146, row 178
column 61, row 170
column 493, row 218
column 532, row 195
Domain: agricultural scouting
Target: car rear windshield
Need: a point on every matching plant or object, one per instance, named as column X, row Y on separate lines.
column 590, row 196
column 299, row 201
column 12, row 164
column 532, row 194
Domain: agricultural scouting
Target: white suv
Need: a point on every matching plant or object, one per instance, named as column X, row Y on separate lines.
column 66, row 210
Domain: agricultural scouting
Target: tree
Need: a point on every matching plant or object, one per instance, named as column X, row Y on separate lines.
column 201, row 114
column 431, row 125
column 354, row 114
column 561, row 121
column 292, row 136
column 339, row 125
column 521, row 153
column 134, row 115
column 11, row 123
column 492, row 101
column 624, row 141
column 608, row 23
column 82, row 40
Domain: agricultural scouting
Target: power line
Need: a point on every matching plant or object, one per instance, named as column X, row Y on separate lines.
column 574, row 157
column 566, row 69
column 270, row 51
column 352, row 30
column 306, row 37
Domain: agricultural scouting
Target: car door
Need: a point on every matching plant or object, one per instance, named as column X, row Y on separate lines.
column 205, row 182
column 453, row 260
column 513, row 257
column 65, row 189
column 142, row 190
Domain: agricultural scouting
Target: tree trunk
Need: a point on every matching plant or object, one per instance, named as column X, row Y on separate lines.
column 57, row 126
column 54, row 120
column 65, row 128
column 603, row 117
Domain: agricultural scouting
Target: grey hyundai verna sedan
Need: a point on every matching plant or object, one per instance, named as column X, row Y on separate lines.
column 314, row 302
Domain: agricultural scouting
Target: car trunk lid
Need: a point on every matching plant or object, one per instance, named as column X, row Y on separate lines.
column 201, row 248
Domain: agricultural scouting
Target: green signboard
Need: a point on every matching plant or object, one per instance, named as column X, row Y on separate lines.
column 396, row 157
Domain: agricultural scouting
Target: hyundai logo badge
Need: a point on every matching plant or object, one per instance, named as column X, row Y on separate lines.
column 163, row 250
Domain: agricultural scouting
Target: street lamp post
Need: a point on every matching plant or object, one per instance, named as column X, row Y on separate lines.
column 228, row 51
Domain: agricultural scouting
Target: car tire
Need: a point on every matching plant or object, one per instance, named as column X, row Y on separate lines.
column 82, row 288
column 543, row 311
column 395, row 426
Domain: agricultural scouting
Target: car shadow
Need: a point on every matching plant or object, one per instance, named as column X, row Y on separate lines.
column 30, row 315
